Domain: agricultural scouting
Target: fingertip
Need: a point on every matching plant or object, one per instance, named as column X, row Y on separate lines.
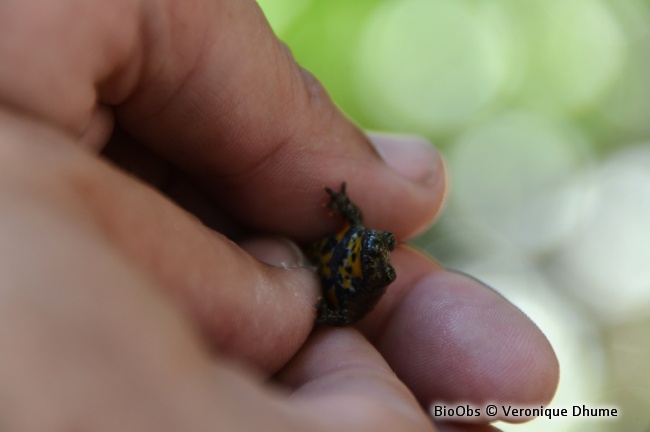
column 99, row 129
column 399, row 182
column 275, row 251
column 417, row 162
column 410, row 156
column 468, row 344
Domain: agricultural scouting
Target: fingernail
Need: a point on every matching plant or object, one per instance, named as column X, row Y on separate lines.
column 276, row 251
column 411, row 156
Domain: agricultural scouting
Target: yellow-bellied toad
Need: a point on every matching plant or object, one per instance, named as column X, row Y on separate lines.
column 353, row 265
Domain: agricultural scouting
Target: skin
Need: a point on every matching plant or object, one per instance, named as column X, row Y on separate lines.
column 120, row 310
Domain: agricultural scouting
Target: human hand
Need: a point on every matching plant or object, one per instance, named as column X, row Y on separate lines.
column 121, row 311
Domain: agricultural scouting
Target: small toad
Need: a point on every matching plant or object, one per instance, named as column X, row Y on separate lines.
column 353, row 265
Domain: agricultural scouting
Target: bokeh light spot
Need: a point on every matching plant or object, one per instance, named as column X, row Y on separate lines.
column 607, row 262
column 579, row 50
column 510, row 174
column 430, row 65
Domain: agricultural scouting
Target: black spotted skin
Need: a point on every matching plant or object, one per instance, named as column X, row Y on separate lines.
column 354, row 265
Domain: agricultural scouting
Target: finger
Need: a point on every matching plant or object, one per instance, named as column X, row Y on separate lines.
column 251, row 311
column 339, row 378
column 85, row 339
column 138, row 160
column 206, row 84
column 99, row 348
column 464, row 342
column 264, row 137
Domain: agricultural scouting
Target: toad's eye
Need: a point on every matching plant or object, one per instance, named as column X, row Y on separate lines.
column 374, row 250
column 378, row 243
column 389, row 275
column 390, row 240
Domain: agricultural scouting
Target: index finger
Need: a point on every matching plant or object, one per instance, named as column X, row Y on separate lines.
column 207, row 85
column 264, row 137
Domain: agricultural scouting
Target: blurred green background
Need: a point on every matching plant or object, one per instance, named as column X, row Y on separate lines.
column 542, row 111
